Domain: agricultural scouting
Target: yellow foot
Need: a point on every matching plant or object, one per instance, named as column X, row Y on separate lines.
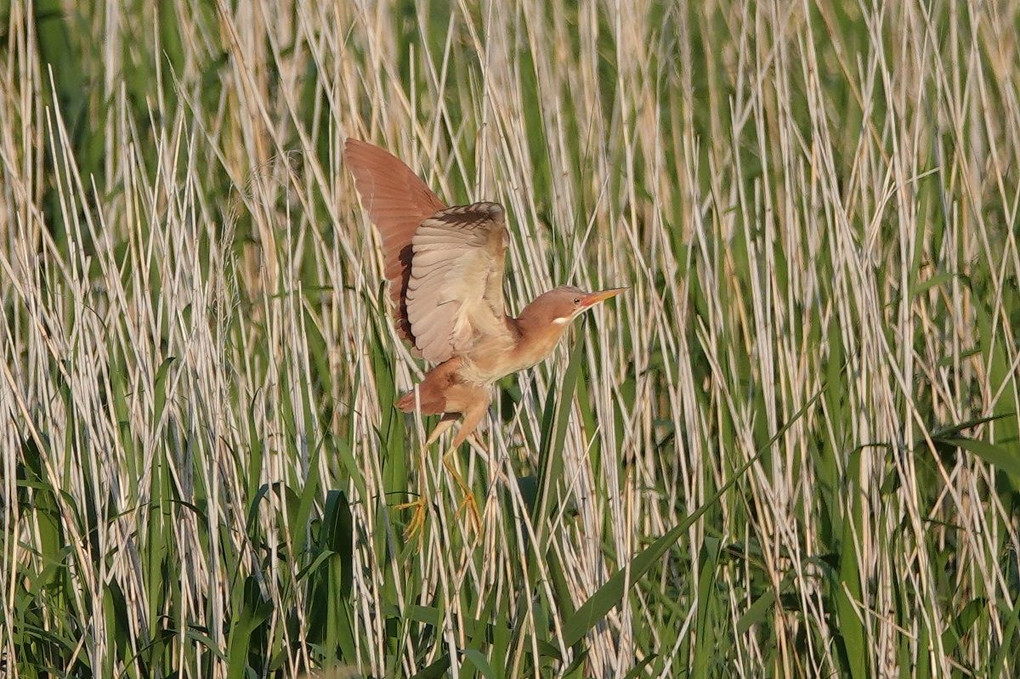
column 417, row 522
column 470, row 507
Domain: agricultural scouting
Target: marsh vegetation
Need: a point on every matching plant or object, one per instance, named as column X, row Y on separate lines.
column 790, row 450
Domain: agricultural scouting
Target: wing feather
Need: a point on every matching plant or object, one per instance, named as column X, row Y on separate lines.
column 397, row 201
column 445, row 265
column 455, row 291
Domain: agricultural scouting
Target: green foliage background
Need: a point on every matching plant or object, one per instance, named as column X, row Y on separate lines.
column 790, row 450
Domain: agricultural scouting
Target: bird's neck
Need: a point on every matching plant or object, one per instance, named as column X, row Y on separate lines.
column 535, row 340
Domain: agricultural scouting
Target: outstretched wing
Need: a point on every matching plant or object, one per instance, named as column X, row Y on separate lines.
column 397, row 201
column 455, row 292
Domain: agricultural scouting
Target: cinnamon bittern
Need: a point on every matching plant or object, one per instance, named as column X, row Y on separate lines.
column 445, row 266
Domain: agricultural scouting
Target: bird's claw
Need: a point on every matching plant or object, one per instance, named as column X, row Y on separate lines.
column 469, row 507
column 417, row 522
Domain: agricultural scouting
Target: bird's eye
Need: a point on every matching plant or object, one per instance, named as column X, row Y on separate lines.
column 577, row 300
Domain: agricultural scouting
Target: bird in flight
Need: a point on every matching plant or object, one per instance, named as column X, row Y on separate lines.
column 445, row 266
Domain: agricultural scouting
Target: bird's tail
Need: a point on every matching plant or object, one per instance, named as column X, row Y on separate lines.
column 406, row 402
column 432, row 390
column 431, row 404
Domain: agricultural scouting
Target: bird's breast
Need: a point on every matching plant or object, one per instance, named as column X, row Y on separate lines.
column 493, row 360
column 488, row 363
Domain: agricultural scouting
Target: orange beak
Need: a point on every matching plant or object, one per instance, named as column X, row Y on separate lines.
column 593, row 298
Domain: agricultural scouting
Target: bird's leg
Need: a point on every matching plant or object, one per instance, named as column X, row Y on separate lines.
column 445, row 423
column 467, row 505
column 419, row 506
column 472, row 417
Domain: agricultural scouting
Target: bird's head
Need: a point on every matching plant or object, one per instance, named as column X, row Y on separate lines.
column 560, row 306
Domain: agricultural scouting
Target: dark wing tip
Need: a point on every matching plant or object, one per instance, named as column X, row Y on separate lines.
column 473, row 215
column 492, row 210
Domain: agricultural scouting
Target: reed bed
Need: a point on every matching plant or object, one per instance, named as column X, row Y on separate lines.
column 791, row 449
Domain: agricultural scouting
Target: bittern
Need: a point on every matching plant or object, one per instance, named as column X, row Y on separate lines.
column 445, row 266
